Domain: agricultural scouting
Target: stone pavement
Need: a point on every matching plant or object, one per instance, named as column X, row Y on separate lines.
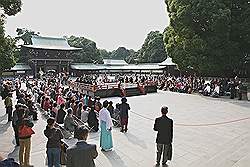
column 208, row 132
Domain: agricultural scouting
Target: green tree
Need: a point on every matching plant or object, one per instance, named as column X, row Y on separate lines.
column 104, row 53
column 120, row 54
column 153, row 50
column 11, row 7
column 199, row 36
column 131, row 59
column 8, row 48
column 89, row 52
column 240, row 32
column 25, row 35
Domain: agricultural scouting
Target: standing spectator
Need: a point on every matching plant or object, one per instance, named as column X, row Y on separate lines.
column 164, row 126
column 110, row 108
column 16, row 121
column 54, row 111
column 32, row 110
column 82, row 153
column 92, row 120
column 241, row 90
column 21, row 99
column 79, row 110
column 69, row 123
column 46, row 104
column 123, row 108
column 54, row 136
column 84, row 114
column 90, row 101
column 61, row 114
column 232, row 86
column 106, row 127
column 86, row 100
column 60, row 99
column 25, row 131
column 8, row 106
column 98, row 104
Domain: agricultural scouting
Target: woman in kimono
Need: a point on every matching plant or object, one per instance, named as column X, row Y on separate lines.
column 106, row 127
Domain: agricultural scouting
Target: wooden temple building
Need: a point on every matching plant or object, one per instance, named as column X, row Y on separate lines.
column 55, row 54
column 47, row 53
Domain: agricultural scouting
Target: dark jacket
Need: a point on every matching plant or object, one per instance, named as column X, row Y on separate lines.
column 81, row 154
column 60, row 116
column 124, row 107
column 54, row 136
column 93, row 121
column 164, row 126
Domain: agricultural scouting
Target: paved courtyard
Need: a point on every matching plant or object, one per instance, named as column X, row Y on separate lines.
column 208, row 132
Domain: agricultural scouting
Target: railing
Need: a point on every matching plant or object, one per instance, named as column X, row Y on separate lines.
column 93, row 88
column 88, row 87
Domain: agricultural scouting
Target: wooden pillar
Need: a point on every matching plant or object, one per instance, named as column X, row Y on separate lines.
column 35, row 70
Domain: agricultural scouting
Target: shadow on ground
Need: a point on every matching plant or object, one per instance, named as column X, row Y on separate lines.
column 4, row 127
column 114, row 159
column 135, row 140
column 14, row 154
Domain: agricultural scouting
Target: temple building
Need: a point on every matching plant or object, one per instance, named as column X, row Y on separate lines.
column 47, row 53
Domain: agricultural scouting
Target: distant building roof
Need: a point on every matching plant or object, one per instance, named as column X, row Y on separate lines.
column 20, row 67
column 88, row 66
column 114, row 62
column 39, row 42
column 167, row 62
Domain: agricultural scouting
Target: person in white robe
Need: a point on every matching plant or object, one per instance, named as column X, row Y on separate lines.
column 106, row 142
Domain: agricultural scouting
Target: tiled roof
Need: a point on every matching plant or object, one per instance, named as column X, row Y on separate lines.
column 20, row 67
column 39, row 42
column 114, row 62
column 86, row 66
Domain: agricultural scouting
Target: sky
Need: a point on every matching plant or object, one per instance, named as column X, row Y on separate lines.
column 110, row 23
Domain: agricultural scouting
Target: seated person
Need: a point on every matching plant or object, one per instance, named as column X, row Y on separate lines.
column 216, row 91
column 207, row 90
column 69, row 123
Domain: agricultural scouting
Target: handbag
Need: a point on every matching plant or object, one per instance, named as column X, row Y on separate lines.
column 25, row 131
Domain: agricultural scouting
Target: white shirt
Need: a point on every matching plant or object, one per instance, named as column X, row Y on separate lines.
column 208, row 89
column 217, row 89
column 104, row 115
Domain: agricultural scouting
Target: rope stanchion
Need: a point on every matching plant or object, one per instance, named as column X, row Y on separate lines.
column 198, row 125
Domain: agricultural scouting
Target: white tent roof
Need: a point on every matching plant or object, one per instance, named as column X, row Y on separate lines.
column 167, row 62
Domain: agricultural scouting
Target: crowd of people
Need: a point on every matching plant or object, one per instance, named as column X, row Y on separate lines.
column 68, row 110
column 79, row 114
column 214, row 87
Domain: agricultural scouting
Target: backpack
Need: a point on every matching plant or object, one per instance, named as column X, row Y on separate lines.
column 25, row 131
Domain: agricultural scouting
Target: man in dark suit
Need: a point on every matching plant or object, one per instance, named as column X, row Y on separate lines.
column 164, row 126
column 81, row 154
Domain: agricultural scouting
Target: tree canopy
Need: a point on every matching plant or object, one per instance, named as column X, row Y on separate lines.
column 153, row 49
column 210, row 37
column 104, row 53
column 25, row 35
column 120, row 53
column 8, row 49
column 89, row 52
